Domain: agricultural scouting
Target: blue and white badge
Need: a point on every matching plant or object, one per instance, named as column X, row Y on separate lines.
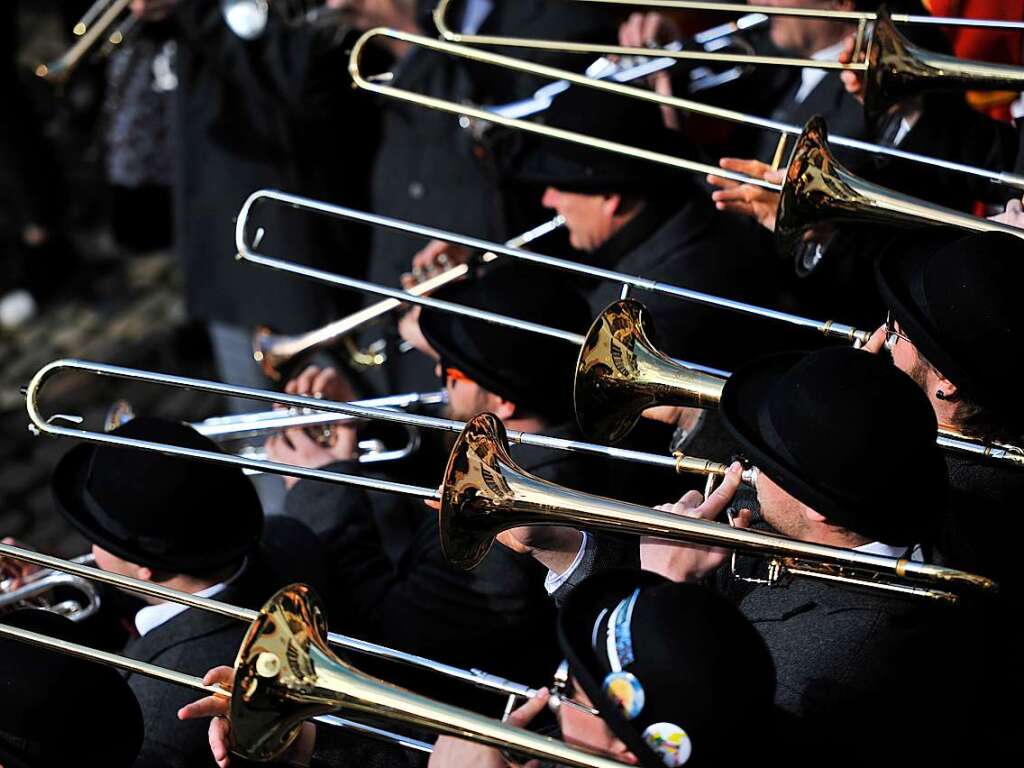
column 670, row 742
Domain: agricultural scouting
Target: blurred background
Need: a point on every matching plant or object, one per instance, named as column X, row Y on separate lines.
column 86, row 268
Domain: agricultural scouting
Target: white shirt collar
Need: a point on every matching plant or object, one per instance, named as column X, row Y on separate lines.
column 152, row 616
column 887, row 550
column 810, row 77
column 475, row 15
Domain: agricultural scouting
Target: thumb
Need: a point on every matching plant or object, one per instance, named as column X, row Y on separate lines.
column 743, row 519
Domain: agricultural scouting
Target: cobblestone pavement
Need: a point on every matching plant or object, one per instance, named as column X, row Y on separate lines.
column 133, row 316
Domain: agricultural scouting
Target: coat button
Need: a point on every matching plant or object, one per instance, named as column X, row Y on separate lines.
column 416, row 190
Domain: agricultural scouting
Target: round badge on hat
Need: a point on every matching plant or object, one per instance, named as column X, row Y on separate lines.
column 625, row 690
column 670, row 742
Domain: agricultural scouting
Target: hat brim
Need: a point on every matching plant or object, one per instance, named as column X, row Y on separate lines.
column 69, row 488
column 440, row 329
column 575, row 634
column 895, row 271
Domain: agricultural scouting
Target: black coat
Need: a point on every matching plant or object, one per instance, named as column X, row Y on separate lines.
column 195, row 641
column 851, row 662
column 699, row 248
column 277, row 112
column 431, row 171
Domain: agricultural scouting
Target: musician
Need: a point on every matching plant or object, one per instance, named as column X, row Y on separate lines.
column 190, row 526
column 814, row 425
column 431, row 171
column 42, row 721
column 659, row 703
column 663, row 664
column 953, row 311
column 497, row 616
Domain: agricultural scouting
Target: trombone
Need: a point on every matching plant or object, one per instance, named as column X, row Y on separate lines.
column 810, row 183
column 664, row 375
column 80, row 569
column 270, row 699
column 620, row 374
column 44, row 590
column 829, row 328
column 273, row 352
column 347, row 410
column 226, row 429
column 106, row 23
column 892, row 66
column 484, row 493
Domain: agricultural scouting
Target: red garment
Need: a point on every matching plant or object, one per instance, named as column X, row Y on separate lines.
column 985, row 44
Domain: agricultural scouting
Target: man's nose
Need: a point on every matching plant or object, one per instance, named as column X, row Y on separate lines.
column 550, row 198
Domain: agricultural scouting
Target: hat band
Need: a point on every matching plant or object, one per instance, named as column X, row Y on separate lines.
column 147, row 544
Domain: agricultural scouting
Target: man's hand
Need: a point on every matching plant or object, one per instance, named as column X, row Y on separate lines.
column 152, row 10
column 450, row 752
column 756, row 202
column 437, row 256
column 295, row 446
column 1013, row 215
column 15, row 570
column 876, row 342
column 324, row 383
column 689, row 562
column 554, row 547
column 652, row 30
column 219, row 734
column 853, row 81
column 409, row 330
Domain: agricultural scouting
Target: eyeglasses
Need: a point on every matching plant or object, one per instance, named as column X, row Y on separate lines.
column 892, row 336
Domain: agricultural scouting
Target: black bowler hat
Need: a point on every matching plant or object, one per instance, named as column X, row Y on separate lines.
column 572, row 167
column 158, row 511
column 533, row 371
column 667, row 665
column 956, row 296
column 846, row 433
column 57, row 710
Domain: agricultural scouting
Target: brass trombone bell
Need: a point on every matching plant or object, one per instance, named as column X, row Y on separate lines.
column 819, row 192
column 895, row 68
column 285, row 674
column 620, row 374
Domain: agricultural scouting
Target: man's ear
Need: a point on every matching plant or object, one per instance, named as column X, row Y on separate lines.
column 500, row 407
column 948, row 390
column 611, row 204
column 813, row 515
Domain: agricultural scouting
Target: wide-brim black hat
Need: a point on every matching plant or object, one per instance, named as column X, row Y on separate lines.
column 158, row 511
column 573, row 167
column 846, row 433
column 529, row 369
column 955, row 296
column 43, row 721
column 685, row 655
